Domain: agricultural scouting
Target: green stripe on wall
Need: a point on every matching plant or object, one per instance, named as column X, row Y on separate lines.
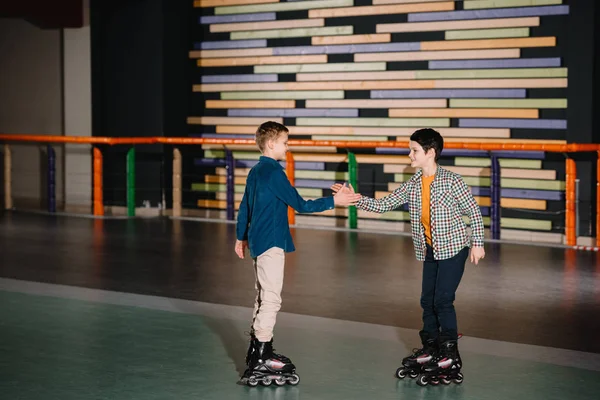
column 478, row 4
column 504, row 162
column 297, row 32
column 508, row 103
column 493, row 73
column 487, row 33
column 417, row 122
column 284, row 95
column 333, row 67
column 288, row 6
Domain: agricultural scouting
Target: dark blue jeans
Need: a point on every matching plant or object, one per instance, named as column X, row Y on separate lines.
column 440, row 281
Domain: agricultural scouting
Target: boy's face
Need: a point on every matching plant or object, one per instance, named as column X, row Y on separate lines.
column 279, row 146
column 418, row 158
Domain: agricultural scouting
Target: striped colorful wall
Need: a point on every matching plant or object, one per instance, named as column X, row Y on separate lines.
column 476, row 70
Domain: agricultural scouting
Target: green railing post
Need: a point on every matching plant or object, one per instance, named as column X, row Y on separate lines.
column 131, row 182
column 353, row 180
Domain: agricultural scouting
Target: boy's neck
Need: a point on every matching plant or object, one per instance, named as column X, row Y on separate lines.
column 269, row 155
column 429, row 170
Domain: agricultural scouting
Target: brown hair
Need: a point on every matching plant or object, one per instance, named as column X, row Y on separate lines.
column 269, row 131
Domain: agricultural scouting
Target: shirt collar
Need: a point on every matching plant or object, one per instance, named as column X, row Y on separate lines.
column 269, row 160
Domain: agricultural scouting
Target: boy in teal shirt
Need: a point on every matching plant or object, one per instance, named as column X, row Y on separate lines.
column 262, row 226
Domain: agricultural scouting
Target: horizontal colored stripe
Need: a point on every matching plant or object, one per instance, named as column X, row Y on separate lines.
column 230, row 53
column 306, row 94
column 220, row 187
column 456, row 93
column 455, row 25
column 479, row 4
column 496, row 13
column 417, row 122
column 352, row 39
column 292, row 32
column 288, row 6
column 438, row 55
column 518, row 223
column 468, row 153
column 224, row 19
column 350, row 138
column 232, row 62
column 355, row 76
column 448, row 133
column 508, row 103
column 464, row 113
column 480, row 171
column 508, row 63
column 504, row 162
column 514, row 123
column 504, row 182
column 348, row 48
column 487, row 33
column 255, row 26
column 216, row 3
column 294, row 113
column 348, row 103
column 220, row 136
column 377, row 2
column 375, row 85
column 228, row 121
column 239, row 78
column 292, row 69
column 489, row 43
column 330, row 175
column 250, row 104
column 314, row 183
column 300, row 165
column 493, row 73
column 230, row 44
column 381, row 10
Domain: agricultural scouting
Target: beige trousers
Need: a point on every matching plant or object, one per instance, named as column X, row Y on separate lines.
column 268, row 269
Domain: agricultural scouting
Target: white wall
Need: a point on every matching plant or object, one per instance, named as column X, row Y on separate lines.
column 45, row 89
column 30, row 102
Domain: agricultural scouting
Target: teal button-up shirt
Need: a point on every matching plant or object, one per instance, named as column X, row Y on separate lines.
column 262, row 218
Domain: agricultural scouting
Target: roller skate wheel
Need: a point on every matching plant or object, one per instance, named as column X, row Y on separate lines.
column 252, row 381
column 458, row 379
column 266, row 381
column 413, row 374
column 446, row 381
column 294, row 380
column 422, row 380
column 434, row 380
column 280, row 381
column 400, row 373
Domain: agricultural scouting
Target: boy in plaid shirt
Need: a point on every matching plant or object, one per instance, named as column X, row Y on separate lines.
column 437, row 199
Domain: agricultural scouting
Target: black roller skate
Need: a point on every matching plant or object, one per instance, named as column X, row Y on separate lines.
column 266, row 367
column 413, row 364
column 444, row 368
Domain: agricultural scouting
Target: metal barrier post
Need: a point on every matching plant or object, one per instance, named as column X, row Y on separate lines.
column 353, row 180
column 176, row 182
column 51, row 160
column 230, row 168
column 98, row 201
column 131, row 182
column 571, row 176
column 290, row 169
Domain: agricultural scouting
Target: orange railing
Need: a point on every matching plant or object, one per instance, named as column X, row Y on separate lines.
column 571, row 173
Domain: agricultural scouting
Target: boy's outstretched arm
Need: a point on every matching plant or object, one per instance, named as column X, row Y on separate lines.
column 242, row 227
column 281, row 187
column 390, row 202
column 469, row 206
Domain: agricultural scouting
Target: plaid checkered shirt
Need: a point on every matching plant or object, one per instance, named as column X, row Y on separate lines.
column 450, row 199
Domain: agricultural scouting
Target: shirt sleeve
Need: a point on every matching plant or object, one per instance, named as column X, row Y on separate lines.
column 284, row 191
column 242, row 218
column 390, row 202
column 468, row 205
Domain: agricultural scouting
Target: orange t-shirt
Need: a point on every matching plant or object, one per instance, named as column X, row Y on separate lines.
column 425, row 215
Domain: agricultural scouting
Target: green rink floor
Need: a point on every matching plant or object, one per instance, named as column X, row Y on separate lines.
column 60, row 342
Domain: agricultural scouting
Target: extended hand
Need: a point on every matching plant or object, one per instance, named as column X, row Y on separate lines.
column 345, row 196
column 477, row 253
column 336, row 187
column 240, row 248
